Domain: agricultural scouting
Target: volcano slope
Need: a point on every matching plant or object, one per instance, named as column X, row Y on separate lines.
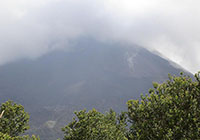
column 88, row 75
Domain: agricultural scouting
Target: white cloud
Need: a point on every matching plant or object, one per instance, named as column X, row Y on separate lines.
column 34, row 27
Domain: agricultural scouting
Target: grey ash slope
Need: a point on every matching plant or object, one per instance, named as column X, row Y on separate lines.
column 92, row 74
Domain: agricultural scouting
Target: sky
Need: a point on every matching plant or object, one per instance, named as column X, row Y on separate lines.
column 31, row 28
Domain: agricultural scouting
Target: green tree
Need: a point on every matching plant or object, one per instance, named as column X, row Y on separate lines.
column 14, row 120
column 94, row 125
column 7, row 137
column 171, row 111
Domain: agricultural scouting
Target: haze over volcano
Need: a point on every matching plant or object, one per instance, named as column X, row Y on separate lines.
column 58, row 56
column 32, row 28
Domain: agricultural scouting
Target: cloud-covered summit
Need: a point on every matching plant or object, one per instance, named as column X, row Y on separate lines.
column 32, row 28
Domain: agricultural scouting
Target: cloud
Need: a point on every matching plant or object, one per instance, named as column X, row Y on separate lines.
column 32, row 28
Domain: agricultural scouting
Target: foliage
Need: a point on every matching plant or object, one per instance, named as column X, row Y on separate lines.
column 14, row 120
column 171, row 111
column 33, row 137
column 7, row 137
column 94, row 125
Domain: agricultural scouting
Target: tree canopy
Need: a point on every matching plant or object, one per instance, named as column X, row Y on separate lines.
column 26, row 137
column 170, row 111
column 94, row 125
column 14, row 122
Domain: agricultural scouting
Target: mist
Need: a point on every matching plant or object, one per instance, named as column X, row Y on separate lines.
column 29, row 29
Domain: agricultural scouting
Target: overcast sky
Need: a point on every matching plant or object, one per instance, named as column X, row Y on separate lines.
column 30, row 28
